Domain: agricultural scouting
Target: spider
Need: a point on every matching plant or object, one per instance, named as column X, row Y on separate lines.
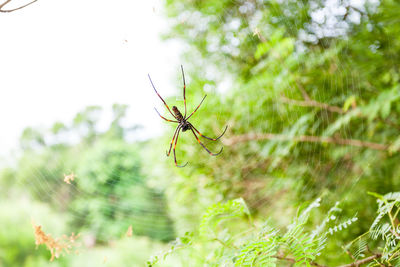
column 183, row 123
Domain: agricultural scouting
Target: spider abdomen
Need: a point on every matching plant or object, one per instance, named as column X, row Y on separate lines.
column 178, row 114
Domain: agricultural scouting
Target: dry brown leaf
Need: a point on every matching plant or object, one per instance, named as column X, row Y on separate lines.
column 56, row 246
column 129, row 232
column 68, row 178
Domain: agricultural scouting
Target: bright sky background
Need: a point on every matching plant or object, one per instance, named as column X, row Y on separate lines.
column 58, row 57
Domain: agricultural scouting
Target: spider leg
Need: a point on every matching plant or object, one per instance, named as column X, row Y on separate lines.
column 172, row 141
column 161, row 97
column 176, row 141
column 163, row 117
column 196, row 108
column 209, row 152
column 184, row 90
column 213, row 139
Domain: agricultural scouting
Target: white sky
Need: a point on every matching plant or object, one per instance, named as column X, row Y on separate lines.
column 58, row 57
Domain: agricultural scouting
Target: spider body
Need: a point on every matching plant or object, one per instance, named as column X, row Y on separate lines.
column 183, row 123
column 178, row 114
column 185, row 126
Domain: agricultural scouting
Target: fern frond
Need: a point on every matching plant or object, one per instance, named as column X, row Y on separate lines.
column 257, row 253
column 341, row 226
column 222, row 211
column 178, row 243
column 361, row 248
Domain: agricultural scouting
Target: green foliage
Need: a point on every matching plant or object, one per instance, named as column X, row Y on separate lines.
column 177, row 244
column 17, row 240
column 285, row 83
column 388, row 230
column 109, row 184
column 260, row 245
column 384, row 231
column 111, row 187
column 218, row 212
column 289, row 76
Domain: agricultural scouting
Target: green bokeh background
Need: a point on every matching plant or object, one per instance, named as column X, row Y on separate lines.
column 284, row 73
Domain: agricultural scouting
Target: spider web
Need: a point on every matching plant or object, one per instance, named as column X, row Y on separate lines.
column 41, row 186
column 327, row 22
column 40, row 194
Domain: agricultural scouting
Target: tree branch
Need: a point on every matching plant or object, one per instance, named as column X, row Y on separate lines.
column 303, row 91
column 308, row 102
column 354, row 264
column 303, row 138
column 294, row 261
column 11, row 10
column 312, row 103
column 362, row 261
column 334, row 109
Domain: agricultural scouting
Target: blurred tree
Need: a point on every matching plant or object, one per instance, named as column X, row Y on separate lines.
column 112, row 189
column 31, row 139
column 109, row 185
column 85, row 123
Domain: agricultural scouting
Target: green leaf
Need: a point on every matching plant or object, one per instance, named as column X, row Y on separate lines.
column 349, row 102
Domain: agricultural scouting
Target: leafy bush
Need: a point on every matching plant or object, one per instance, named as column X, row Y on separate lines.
column 300, row 245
